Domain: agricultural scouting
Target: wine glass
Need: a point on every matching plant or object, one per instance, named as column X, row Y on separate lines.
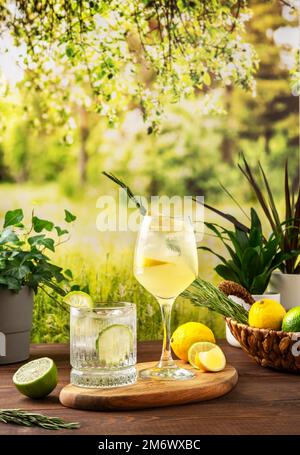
column 166, row 263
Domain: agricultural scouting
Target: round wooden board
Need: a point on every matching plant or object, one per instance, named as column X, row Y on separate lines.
column 148, row 393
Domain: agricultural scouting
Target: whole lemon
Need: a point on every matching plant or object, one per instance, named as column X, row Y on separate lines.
column 266, row 314
column 187, row 334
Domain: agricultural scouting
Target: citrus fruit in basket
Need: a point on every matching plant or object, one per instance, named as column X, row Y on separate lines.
column 206, row 356
column 291, row 321
column 266, row 314
column 186, row 335
column 37, row 378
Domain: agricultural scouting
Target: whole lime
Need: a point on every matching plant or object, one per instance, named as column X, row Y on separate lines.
column 291, row 321
column 37, row 378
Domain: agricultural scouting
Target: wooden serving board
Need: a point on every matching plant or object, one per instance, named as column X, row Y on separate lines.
column 149, row 393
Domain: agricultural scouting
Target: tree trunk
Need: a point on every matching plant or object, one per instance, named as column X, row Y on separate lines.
column 268, row 136
column 227, row 144
column 83, row 154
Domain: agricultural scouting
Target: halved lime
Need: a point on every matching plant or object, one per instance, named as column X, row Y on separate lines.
column 79, row 299
column 114, row 344
column 37, row 378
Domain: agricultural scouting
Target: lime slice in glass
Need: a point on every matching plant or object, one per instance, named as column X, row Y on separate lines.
column 37, row 378
column 114, row 345
column 78, row 299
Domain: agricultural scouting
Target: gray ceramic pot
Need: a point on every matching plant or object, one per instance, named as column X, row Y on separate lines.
column 15, row 325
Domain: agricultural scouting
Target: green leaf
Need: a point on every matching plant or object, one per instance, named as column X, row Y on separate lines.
column 35, row 239
column 242, row 239
column 69, row 217
column 260, row 283
column 70, row 51
column 17, row 271
column 251, row 264
column 68, row 273
column 255, row 221
column 8, row 236
column 61, row 231
column 226, row 273
column 11, row 283
column 49, row 244
column 42, row 240
column 13, row 217
column 39, row 224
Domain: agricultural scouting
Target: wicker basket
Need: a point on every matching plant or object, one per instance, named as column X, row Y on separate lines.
column 269, row 348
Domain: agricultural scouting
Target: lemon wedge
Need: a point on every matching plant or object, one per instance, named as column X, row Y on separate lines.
column 206, row 356
column 150, row 262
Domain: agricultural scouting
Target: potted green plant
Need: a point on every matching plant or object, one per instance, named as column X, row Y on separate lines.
column 25, row 268
column 286, row 279
column 252, row 257
column 250, row 262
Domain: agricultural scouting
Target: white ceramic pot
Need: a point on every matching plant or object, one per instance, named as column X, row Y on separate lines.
column 269, row 295
column 288, row 286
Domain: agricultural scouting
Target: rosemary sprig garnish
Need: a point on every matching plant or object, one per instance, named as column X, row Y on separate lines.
column 202, row 293
column 31, row 419
column 130, row 194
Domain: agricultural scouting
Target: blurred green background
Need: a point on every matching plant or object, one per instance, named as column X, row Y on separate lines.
column 49, row 170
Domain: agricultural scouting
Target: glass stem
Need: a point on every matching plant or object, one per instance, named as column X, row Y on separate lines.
column 166, row 355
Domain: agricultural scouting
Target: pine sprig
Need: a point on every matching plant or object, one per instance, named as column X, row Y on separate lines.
column 130, row 194
column 201, row 293
column 32, row 419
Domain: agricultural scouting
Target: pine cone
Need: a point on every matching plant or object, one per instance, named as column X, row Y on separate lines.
column 232, row 288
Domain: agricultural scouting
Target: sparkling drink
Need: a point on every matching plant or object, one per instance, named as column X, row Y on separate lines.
column 103, row 345
column 165, row 264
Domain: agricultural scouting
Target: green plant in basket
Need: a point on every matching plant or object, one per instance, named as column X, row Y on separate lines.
column 252, row 257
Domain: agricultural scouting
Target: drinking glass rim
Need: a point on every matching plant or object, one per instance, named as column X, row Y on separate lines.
column 167, row 223
column 110, row 306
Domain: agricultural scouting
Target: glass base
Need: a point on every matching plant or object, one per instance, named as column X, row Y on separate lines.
column 103, row 378
column 167, row 373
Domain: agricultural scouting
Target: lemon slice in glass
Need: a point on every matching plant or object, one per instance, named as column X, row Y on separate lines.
column 151, row 262
column 206, row 356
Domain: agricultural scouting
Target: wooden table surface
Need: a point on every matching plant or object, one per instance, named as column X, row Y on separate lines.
column 263, row 402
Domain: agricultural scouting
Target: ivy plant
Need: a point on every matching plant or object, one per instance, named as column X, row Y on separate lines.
column 24, row 253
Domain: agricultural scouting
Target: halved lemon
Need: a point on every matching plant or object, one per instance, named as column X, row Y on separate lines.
column 151, row 262
column 206, row 356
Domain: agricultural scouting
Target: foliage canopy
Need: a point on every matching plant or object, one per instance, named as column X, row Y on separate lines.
column 106, row 55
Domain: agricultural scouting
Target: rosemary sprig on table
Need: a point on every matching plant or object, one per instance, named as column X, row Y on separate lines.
column 31, row 419
column 202, row 293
